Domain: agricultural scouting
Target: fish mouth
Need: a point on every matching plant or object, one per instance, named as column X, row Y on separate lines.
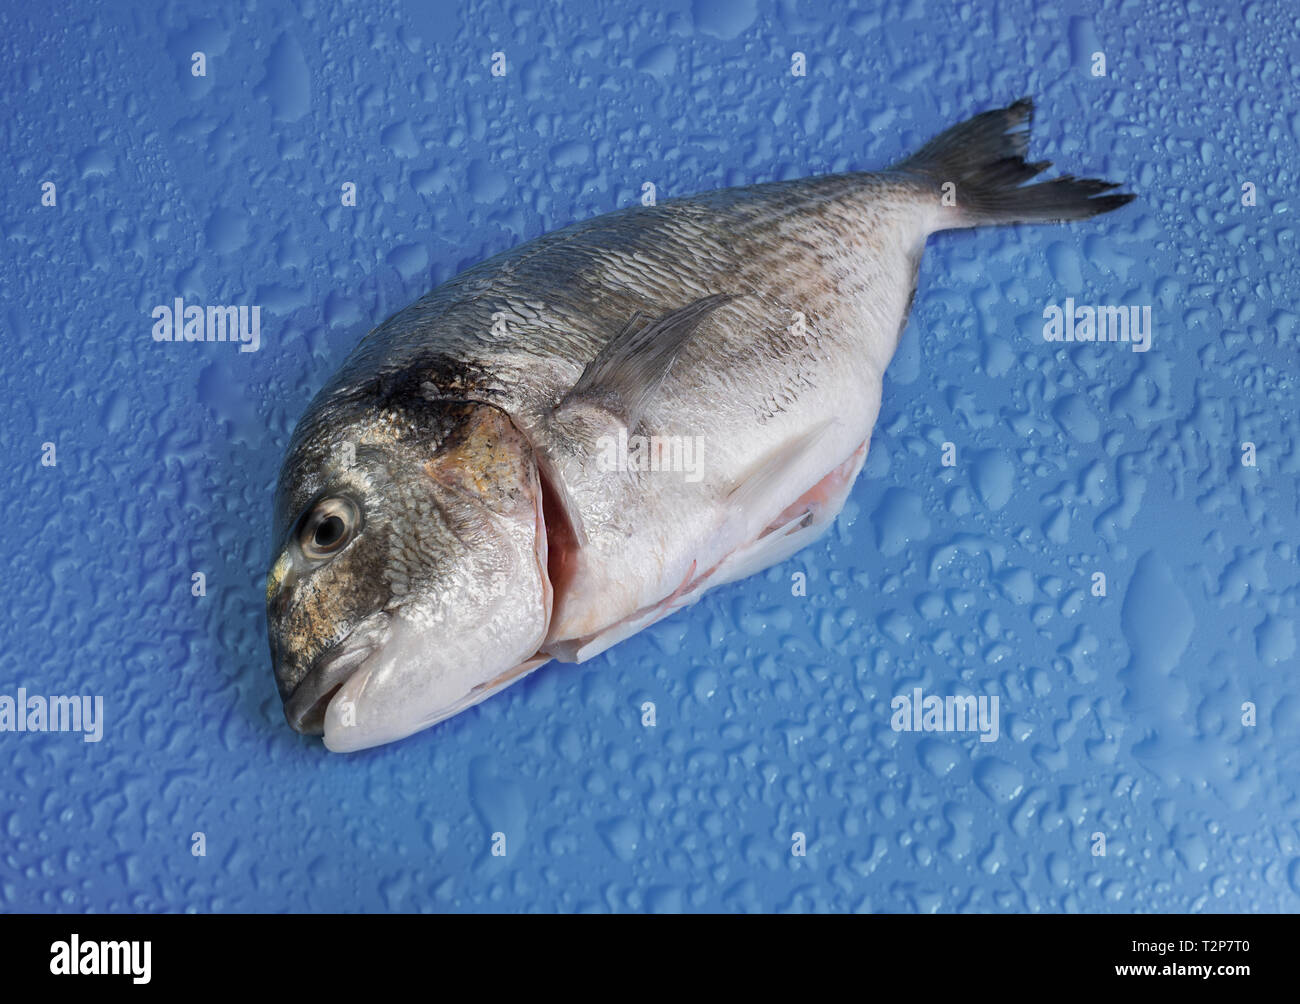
column 305, row 707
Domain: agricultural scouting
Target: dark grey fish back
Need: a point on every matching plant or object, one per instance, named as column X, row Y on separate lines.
column 682, row 247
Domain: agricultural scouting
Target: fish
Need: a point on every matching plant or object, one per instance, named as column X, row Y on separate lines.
column 582, row 435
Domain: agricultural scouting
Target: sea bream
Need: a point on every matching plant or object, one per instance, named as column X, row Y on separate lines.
column 459, row 504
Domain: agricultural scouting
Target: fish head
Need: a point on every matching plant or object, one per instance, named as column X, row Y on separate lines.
column 409, row 578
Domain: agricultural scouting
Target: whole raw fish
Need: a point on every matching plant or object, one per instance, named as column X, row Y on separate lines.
column 582, row 435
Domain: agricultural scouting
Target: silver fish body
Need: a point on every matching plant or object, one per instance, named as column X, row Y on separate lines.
column 448, row 517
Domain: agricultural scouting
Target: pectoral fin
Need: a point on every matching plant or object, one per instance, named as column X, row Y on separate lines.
column 632, row 366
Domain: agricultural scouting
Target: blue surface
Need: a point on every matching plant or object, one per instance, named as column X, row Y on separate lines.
column 1120, row 714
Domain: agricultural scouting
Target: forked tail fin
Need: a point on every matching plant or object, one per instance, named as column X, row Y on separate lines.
column 983, row 159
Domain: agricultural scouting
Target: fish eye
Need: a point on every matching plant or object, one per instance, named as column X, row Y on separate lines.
column 327, row 527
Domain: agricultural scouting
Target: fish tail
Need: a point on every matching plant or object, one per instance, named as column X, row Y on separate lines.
column 979, row 168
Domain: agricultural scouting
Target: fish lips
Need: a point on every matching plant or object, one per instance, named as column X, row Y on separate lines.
column 305, row 707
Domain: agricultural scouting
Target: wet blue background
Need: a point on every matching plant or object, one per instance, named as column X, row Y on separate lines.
column 1119, row 714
